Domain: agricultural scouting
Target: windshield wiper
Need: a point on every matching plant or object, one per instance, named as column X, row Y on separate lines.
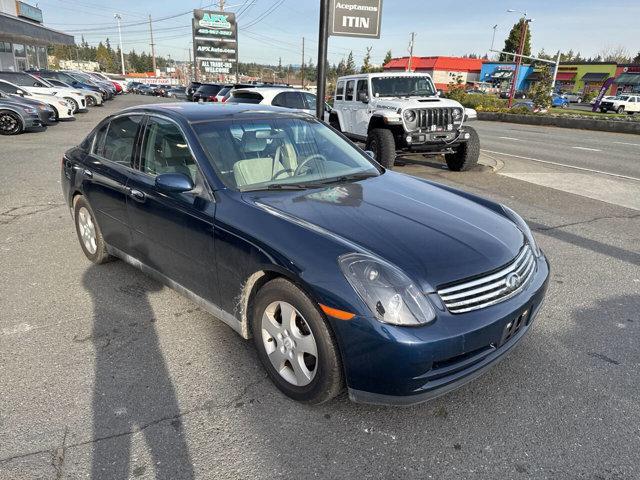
column 285, row 186
column 348, row 178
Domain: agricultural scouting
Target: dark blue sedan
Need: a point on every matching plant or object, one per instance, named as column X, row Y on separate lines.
column 342, row 272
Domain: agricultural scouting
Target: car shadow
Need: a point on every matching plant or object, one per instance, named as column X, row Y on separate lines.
column 133, row 391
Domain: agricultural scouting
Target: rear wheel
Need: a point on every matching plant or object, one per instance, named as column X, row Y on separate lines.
column 467, row 154
column 89, row 233
column 381, row 142
column 620, row 109
column 10, row 123
column 295, row 343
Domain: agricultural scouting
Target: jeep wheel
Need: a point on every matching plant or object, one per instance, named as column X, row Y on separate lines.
column 381, row 142
column 467, row 154
column 620, row 109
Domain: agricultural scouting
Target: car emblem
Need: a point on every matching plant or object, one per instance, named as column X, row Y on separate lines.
column 512, row 281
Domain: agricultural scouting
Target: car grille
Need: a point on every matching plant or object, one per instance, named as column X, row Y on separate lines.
column 435, row 118
column 490, row 289
column 606, row 104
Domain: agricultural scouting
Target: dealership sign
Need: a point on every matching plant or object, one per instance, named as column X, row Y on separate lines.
column 215, row 41
column 355, row 18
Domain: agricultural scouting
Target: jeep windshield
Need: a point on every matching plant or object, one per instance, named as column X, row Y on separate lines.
column 281, row 153
column 410, row 86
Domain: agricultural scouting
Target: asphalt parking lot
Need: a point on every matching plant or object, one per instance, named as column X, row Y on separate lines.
column 106, row 374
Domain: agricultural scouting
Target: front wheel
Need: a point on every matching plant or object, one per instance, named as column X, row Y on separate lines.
column 382, row 143
column 620, row 109
column 10, row 123
column 295, row 344
column 74, row 105
column 603, row 110
column 467, row 154
column 91, row 102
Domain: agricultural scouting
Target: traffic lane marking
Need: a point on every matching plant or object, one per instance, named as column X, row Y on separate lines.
column 626, row 143
column 587, row 148
column 617, row 175
column 510, row 138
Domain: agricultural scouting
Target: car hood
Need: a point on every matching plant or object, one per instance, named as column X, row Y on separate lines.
column 434, row 235
column 393, row 103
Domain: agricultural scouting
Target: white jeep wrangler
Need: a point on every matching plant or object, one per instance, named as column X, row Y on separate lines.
column 401, row 112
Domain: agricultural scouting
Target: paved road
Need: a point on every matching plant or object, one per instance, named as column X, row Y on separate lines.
column 105, row 374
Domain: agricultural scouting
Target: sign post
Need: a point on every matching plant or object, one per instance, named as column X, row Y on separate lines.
column 215, row 42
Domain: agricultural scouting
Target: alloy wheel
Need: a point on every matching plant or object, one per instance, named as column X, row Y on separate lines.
column 9, row 124
column 289, row 343
column 91, row 102
column 87, row 230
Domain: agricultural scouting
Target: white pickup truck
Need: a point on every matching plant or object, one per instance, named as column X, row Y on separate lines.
column 401, row 112
column 622, row 103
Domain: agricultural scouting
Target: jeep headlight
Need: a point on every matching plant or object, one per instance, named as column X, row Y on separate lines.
column 456, row 113
column 409, row 116
column 523, row 227
column 390, row 295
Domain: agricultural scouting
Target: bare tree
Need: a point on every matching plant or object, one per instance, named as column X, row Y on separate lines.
column 618, row 54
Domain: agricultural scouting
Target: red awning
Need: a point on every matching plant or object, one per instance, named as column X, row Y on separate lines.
column 565, row 76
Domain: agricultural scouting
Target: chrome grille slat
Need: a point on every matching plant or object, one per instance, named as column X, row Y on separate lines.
column 490, row 289
column 440, row 117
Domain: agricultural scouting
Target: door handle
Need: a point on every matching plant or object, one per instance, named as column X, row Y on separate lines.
column 137, row 195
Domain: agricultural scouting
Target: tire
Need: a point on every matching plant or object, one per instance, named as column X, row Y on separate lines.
column 56, row 114
column 84, row 219
column 620, row 109
column 321, row 376
column 10, row 123
column 467, row 154
column 74, row 105
column 91, row 102
column 381, row 142
column 603, row 110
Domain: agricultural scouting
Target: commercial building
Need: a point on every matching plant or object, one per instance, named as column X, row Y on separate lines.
column 584, row 77
column 627, row 79
column 499, row 75
column 443, row 70
column 23, row 38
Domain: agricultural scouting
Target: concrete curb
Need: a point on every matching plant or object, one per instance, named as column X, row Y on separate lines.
column 492, row 162
column 619, row 126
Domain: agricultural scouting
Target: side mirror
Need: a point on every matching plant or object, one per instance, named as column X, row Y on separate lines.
column 438, row 93
column 371, row 154
column 20, row 92
column 363, row 97
column 174, row 183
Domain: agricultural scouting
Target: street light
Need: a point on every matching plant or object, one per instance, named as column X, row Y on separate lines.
column 118, row 17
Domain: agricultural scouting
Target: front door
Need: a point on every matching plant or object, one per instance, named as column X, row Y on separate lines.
column 105, row 175
column 172, row 232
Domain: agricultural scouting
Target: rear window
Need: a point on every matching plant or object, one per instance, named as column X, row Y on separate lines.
column 246, row 97
column 224, row 90
column 209, row 89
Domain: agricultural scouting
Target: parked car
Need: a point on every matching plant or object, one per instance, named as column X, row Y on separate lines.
column 61, row 108
column 529, row 105
column 519, row 94
column 15, row 118
column 229, row 91
column 294, row 236
column 46, row 115
column 92, row 98
column 83, row 77
column 278, row 97
column 37, row 85
column 606, row 98
column 559, row 101
column 144, row 89
column 191, row 89
column 621, row 104
column 207, row 92
column 69, row 79
column 177, row 93
column 572, row 97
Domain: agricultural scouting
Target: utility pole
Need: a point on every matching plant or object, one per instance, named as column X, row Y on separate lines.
column 118, row 17
column 523, row 35
column 221, row 5
column 153, row 47
column 302, row 65
column 323, row 39
column 413, row 34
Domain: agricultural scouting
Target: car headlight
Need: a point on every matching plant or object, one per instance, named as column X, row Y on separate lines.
column 30, row 110
column 409, row 116
column 388, row 292
column 523, row 227
column 456, row 113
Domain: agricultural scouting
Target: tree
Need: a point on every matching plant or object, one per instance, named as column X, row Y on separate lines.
column 387, row 58
column 512, row 42
column 636, row 59
column 103, row 57
column 366, row 62
column 350, row 66
column 617, row 54
column 540, row 91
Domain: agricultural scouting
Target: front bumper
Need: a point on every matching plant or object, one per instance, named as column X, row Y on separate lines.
column 391, row 365
column 429, row 141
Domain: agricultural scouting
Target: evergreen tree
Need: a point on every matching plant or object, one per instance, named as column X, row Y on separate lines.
column 636, row 59
column 512, row 42
column 350, row 66
column 103, row 57
column 341, row 68
column 366, row 62
column 387, row 58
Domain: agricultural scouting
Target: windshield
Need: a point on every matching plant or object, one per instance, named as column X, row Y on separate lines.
column 281, row 152
column 402, row 87
column 623, row 97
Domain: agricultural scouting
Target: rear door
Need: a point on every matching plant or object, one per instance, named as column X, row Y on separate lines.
column 360, row 116
column 172, row 232
column 105, row 176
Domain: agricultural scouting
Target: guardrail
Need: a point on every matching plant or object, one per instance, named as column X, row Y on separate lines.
column 618, row 126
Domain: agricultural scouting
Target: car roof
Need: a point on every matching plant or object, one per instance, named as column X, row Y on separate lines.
column 384, row 74
column 269, row 92
column 200, row 112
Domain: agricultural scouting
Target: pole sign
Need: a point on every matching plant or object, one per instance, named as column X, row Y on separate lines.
column 215, row 42
column 355, row 18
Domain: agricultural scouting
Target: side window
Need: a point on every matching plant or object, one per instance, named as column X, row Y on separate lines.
column 120, row 140
column 279, row 100
column 362, row 88
column 8, row 88
column 349, row 93
column 340, row 91
column 98, row 141
column 310, row 98
column 165, row 150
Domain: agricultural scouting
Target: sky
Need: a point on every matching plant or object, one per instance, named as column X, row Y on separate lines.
column 273, row 29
